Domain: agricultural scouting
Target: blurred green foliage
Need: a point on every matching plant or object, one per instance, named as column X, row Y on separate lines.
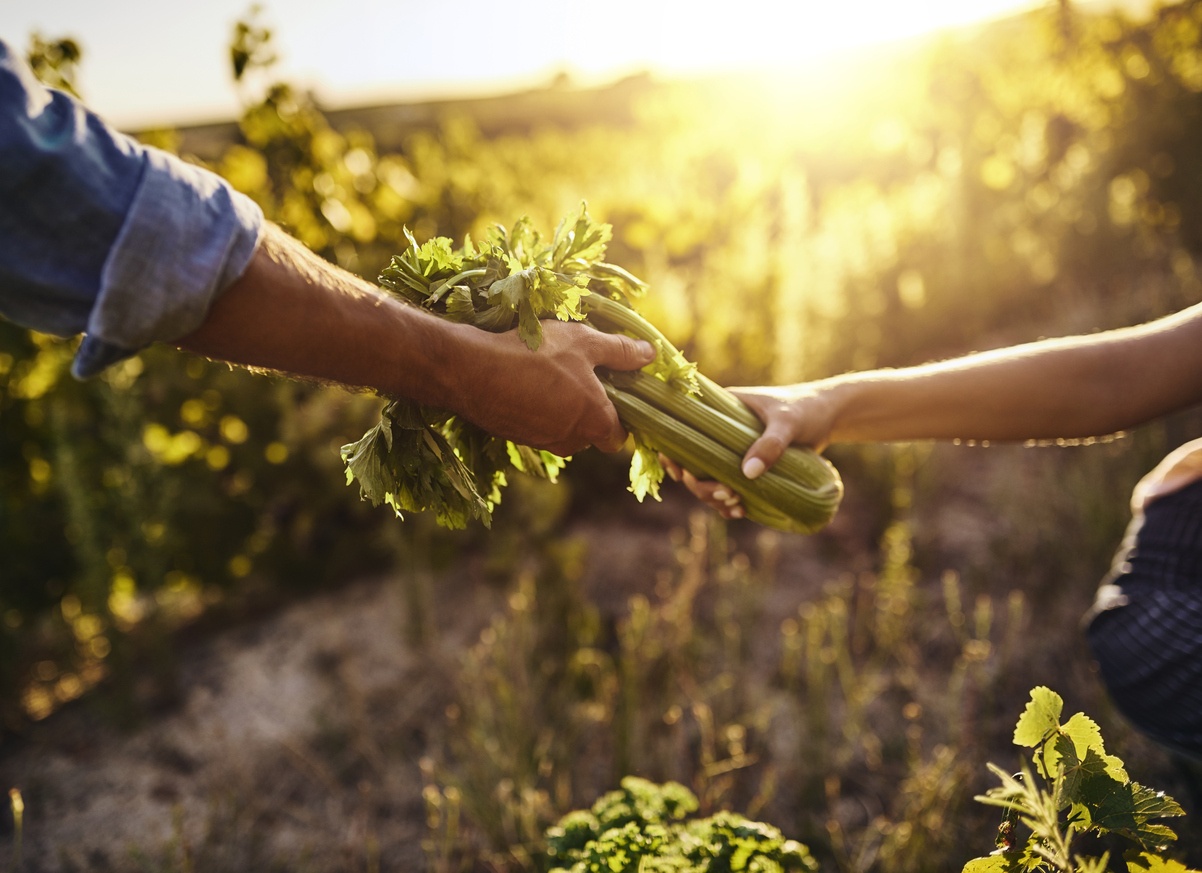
column 641, row 827
column 55, row 62
column 1041, row 176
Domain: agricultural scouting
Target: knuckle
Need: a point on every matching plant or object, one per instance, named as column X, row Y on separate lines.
column 773, row 441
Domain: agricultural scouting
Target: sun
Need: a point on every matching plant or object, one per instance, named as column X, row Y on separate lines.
column 417, row 51
column 671, row 36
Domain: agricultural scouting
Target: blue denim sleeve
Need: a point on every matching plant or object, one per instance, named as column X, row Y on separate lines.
column 103, row 236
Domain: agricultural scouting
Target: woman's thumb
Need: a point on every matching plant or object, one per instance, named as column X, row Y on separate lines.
column 765, row 451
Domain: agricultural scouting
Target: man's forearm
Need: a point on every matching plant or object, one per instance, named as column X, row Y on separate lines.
column 293, row 312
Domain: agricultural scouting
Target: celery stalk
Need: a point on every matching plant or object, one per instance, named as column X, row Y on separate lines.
column 425, row 459
column 773, row 500
column 804, row 465
column 706, row 428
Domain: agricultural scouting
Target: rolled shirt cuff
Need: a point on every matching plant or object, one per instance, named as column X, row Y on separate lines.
column 187, row 237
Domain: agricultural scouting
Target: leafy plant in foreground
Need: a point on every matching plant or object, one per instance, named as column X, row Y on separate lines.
column 644, row 828
column 1075, row 789
column 417, row 458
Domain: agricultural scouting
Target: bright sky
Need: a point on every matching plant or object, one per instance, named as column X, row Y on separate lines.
column 164, row 62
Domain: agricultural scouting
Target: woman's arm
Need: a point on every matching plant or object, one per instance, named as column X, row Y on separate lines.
column 293, row 312
column 1070, row 387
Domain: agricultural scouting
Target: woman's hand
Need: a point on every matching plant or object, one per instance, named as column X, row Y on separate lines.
column 799, row 414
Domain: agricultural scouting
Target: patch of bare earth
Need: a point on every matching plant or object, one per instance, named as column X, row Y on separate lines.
column 296, row 742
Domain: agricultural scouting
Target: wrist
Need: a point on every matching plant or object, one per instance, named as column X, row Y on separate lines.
column 427, row 359
column 842, row 400
column 456, row 353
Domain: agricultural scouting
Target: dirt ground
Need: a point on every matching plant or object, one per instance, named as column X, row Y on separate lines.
column 252, row 757
column 98, row 797
column 297, row 742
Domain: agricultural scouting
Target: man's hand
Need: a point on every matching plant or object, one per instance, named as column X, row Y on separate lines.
column 551, row 398
column 295, row 313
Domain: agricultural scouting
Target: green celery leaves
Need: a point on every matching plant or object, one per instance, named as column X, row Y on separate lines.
column 417, row 459
column 425, row 460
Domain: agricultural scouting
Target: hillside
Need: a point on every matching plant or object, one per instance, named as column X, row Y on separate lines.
column 559, row 104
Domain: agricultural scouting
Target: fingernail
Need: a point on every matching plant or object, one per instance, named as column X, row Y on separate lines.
column 647, row 349
column 753, row 467
column 721, row 494
column 672, row 474
column 734, row 501
column 737, row 512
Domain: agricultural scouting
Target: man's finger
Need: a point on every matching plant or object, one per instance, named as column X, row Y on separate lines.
column 613, row 441
column 620, row 352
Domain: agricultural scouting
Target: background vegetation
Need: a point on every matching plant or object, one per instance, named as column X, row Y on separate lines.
column 1038, row 177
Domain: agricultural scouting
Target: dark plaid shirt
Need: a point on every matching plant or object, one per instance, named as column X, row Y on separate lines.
column 1147, row 632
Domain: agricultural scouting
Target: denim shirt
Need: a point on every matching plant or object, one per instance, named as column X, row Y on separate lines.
column 103, row 236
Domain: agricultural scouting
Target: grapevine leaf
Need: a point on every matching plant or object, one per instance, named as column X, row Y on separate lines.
column 1093, row 865
column 573, row 832
column 1145, row 862
column 1087, row 778
column 1154, row 804
column 1040, row 718
column 1009, row 862
column 1097, row 798
column 1127, row 809
column 552, row 463
column 1086, row 737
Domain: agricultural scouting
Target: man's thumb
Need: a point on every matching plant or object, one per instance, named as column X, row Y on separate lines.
column 620, row 352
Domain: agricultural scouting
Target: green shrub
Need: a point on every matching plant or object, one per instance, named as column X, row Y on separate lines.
column 644, row 828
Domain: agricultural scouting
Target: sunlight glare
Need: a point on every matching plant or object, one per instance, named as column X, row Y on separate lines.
column 765, row 35
column 424, row 50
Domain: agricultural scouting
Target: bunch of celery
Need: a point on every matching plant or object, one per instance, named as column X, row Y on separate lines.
column 422, row 459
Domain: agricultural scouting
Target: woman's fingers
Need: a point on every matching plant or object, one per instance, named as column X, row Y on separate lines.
column 714, row 494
